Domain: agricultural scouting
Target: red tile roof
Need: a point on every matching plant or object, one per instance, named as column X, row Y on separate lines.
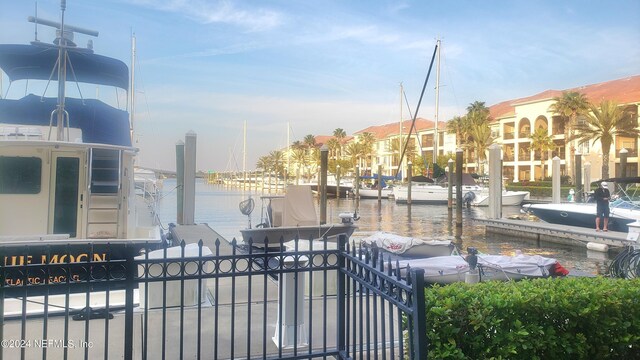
column 623, row 91
column 383, row 131
column 322, row 139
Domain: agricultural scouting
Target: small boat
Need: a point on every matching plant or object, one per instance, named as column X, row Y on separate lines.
column 450, row 269
column 291, row 216
column 406, row 247
column 372, row 193
column 509, row 198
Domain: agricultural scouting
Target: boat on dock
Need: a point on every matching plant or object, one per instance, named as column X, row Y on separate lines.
column 404, row 246
column 289, row 217
column 67, row 163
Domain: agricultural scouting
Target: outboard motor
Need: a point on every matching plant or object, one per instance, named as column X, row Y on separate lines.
column 468, row 198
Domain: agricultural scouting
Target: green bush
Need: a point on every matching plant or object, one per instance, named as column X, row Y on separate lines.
column 569, row 318
column 539, row 190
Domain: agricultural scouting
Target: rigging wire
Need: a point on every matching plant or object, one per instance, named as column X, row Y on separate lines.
column 413, row 122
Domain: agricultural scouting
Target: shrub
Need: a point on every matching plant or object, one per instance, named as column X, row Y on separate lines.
column 570, row 318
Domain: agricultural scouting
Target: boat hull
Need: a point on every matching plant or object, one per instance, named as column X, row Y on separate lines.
column 275, row 237
column 373, row 193
column 581, row 215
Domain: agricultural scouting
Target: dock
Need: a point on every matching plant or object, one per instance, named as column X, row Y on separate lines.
column 555, row 233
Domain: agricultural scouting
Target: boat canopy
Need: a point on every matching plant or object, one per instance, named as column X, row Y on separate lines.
column 36, row 62
column 99, row 122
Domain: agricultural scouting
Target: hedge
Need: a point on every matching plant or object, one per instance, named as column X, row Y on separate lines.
column 569, row 318
column 539, row 191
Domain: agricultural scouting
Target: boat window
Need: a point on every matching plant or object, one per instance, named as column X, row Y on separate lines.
column 20, row 175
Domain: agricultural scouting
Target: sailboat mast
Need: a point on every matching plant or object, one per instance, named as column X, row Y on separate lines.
column 286, row 173
column 132, row 88
column 400, row 142
column 62, row 73
column 244, row 151
column 436, row 137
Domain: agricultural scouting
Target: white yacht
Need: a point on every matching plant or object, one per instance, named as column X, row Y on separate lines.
column 66, row 164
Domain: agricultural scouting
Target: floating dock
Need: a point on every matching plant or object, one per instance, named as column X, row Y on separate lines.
column 556, row 233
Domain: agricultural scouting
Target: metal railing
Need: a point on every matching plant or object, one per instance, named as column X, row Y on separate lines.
column 313, row 300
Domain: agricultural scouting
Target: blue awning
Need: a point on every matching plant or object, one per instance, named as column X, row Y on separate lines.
column 22, row 62
column 99, row 122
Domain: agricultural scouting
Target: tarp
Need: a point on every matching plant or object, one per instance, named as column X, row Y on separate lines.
column 99, row 122
column 21, row 62
column 299, row 209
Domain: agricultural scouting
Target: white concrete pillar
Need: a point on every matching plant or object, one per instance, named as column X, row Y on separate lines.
column 292, row 310
column 495, row 182
column 555, row 181
column 189, row 208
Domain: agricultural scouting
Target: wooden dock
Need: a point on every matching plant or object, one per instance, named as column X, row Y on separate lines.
column 560, row 234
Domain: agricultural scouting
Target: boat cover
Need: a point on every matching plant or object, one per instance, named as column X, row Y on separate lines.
column 21, row 62
column 527, row 265
column 397, row 244
column 99, row 122
column 299, row 209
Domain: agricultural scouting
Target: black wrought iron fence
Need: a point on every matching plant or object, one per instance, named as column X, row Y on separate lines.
column 310, row 300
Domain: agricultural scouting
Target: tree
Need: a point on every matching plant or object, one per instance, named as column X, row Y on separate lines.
column 543, row 142
column 354, row 151
column 603, row 123
column 334, row 147
column 454, row 126
column 340, row 135
column 367, row 139
column 481, row 139
column 569, row 106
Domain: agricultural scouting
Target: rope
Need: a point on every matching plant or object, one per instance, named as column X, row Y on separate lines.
column 627, row 264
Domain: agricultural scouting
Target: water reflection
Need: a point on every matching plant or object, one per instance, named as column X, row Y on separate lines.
column 218, row 207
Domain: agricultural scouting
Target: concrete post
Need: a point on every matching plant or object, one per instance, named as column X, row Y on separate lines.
column 587, row 178
column 189, row 178
column 291, row 325
column 337, row 181
column 555, row 180
column 409, row 178
column 458, row 187
column 379, row 183
column 450, row 183
column 180, row 181
column 495, row 182
column 324, row 162
column 578, row 178
column 623, row 166
column 357, row 184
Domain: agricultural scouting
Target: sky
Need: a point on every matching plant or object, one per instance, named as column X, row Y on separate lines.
column 313, row 66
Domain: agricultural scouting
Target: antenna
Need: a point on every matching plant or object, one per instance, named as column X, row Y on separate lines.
column 36, row 22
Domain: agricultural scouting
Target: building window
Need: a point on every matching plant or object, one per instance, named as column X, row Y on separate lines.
column 628, row 143
column 20, row 175
column 509, row 130
column 427, row 140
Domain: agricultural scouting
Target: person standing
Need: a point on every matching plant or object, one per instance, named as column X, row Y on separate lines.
column 602, row 196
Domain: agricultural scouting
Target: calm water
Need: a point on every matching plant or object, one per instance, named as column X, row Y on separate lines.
column 218, row 207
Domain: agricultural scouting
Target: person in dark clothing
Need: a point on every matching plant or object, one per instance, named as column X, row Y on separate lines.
column 602, row 196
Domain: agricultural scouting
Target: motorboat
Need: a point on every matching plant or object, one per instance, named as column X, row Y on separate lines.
column 621, row 214
column 404, row 246
column 291, row 216
column 624, row 210
column 450, row 269
column 148, row 185
column 438, row 193
column 67, row 163
column 372, row 193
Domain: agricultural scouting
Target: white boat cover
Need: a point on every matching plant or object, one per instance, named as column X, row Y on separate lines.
column 299, row 209
column 397, row 244
column 526, row 265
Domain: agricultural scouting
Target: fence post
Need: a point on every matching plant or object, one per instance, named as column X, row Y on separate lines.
column 341, row 294
column 131, row 274
column 419, row 314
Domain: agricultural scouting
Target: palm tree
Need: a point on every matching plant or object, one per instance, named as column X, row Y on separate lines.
column 481, row 139
column 454, row 126
column 543, row 142
column 334, row 146
column 355, row 151
column 309, row 141
column 570, row 105
column 367, row 139
column 603, row 123
column 340, row 135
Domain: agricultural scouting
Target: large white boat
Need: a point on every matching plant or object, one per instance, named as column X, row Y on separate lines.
column 67, row 164
column 473, row 194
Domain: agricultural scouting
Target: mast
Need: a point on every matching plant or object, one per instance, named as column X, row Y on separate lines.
column 436, row 137
column 244, row 151
column 132, row 88
column 62, row 73
column 286, row 173
column 400, row 142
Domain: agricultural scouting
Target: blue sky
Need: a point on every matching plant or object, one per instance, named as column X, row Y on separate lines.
column 208, row 66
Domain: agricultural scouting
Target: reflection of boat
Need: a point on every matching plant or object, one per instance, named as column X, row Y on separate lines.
column 450, row 269
column 291, row 216
column 404, row 246
column 67, row 162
